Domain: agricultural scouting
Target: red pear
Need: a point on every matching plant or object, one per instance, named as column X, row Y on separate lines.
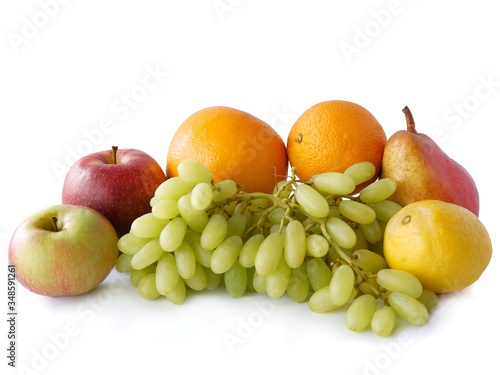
column 422, row 170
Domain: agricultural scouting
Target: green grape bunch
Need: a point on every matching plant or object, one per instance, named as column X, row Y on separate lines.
column 314, row 240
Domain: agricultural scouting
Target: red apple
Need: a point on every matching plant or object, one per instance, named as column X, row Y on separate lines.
column 63, row 250
column 117, row 183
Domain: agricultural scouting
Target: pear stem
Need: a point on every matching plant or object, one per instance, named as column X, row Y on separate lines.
column 115, row 150
column 54, row 223
column 410, row 122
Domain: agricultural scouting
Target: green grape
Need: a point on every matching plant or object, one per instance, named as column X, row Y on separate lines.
column 361, row 242
column 294, row 245
column 283, row 189
column 226, row 254
column 165, row 209
column 258, row 204
column 195, row 219
column 385, row 209
column 199, row 280
column 369, row 260
column 372, row 232
column 137, row 275
column 334, row 212
column 147, row 287
column 201, row 196
column 429, row 299
column 148, row 226
column 320, row 301
column 334, row 183
column 149, row 254
column 408, row 308
column 250, row 273
column 223, row 190
column 378, row 191
column 269, row 253
column 249, row 250
column 298, row 286
column 230, row 207
column 276, row 228
column 357, row 211
column 123, row 263
column 361, row 172
column 311, row 201
column 342, row 285
column 213, row 279
column 185, row 260
column 333, row 252
column 173, row 188
column 259, row 283
column 318, row 272
column 214, row 232
column 167, row 274
column 276, row 215
column 194, row 172
column 153, row 201
column 341, row 233
column 383, row 321
column 235, row 280
column 178, row 295
column 202, row 256
column 173, row 234
column 399, row 281
column 131, row 244
column 370, row 286
column 277, row 281
column 236, row 224
column 359, row 314
column 316, row 245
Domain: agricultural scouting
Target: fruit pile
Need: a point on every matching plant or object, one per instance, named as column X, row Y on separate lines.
column 357, row 222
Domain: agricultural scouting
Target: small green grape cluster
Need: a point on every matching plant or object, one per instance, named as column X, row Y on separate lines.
column 313, row 240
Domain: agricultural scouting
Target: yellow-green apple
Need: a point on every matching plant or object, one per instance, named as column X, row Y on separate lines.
column 117, row 183
column 422, row 170
column 63, row 250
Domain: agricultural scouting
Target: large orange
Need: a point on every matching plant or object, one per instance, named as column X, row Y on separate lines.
column 232, row 144
column 333, row 135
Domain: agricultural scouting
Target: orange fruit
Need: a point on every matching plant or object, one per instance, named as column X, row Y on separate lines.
column 232, row 144
column 333, row 135
column 443, row 244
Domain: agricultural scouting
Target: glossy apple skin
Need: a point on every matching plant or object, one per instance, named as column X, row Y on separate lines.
column 422, row 170
column 71, row 261
column 122, row 192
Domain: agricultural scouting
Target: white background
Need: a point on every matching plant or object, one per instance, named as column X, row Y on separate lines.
column 65, row 69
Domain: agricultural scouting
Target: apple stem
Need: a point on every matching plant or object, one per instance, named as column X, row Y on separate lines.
column 54, row 222
column 115, row 149
column 410, row 122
